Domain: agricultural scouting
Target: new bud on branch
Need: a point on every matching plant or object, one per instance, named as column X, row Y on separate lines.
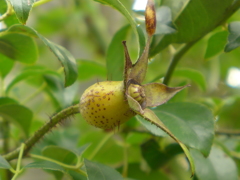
column 150, row 18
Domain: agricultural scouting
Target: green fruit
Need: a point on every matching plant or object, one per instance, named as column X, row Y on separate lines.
column 104, row 105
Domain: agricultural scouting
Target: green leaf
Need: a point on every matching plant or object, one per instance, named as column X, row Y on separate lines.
column 45, row 165
column 115, row 55
column 193, row 75
column 176, row 6
column 136, row 172
column 151, row 127
column 197, row 19
column 60, row 154
column 155, row 156
column 18, row 47
column 149, row 115
column 97, row 171
column 164, row 21
column 234, row 36
column 3, row 7
column 136, row 138
column 28, row 73
column 7, row 100
column 192, row 124
column 11, row 20
column 217, row 166
column 6, row 65
column 22, row 9
column 77, row 176
column 142, row 42
column 22, row 116
column 4, row 164
column 66, row 59
column 216, row 44
column 55, row 89
column 122, row 9
column 63, row 55
column 82, row 149
column 88, row 69
column 18, row 114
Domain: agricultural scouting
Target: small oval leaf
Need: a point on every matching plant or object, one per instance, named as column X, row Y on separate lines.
column 122, row 9
column 218, row 165
column 233, row 38
column 97, row 171
column 4, row 164
column 64, row 56
column 12, row 46
column 45, row 165
column 22, row 9
column 191, row 123
column 115, row 55
column 60, row 154
column 18, row 114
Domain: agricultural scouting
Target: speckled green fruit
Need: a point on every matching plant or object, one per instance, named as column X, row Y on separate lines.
column 103, row 105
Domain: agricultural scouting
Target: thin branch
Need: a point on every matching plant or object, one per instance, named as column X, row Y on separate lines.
column 41, row 2
column 125, row 159
column 100, row 145
column 229, row 12
column 54, row 120
column 8, row 12
column 228, row 132
column 176, row 58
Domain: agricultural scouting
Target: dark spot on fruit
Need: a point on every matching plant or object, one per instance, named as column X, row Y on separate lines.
column 104, row 97
column 98, row 105
column 92, row 108
column 96, row 92
column 93, row 100
column 92, row 113
column 95, row 116
column 95, row 111
column 99, row 109
column 99, row 99
column 102, row 122
column 109, row 99
column 103, row 117
column 104, row 108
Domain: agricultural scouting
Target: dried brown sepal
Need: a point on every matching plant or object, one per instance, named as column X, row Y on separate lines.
column 139, row 70
column 157, row 93
column 127, row 65
column 150, row 18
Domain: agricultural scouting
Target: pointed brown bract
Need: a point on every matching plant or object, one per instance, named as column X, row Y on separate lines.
column 150, row 18
column 139, row 69
column 127, row 65
column 157, row 94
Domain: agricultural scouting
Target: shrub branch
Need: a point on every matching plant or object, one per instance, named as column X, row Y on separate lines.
column 179, row 54
column 54, row 120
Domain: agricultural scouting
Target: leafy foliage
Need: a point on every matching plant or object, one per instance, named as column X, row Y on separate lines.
column 202, row 118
